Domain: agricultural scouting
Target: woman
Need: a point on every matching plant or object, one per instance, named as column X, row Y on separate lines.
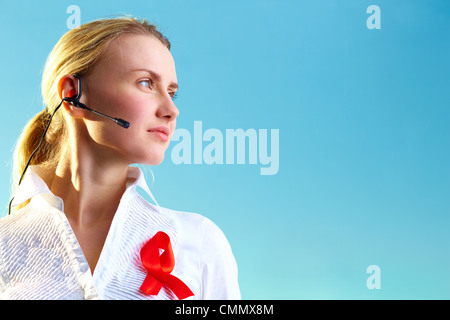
column 79, row 229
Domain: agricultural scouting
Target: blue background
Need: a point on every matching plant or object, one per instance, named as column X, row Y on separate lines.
column 363, row 117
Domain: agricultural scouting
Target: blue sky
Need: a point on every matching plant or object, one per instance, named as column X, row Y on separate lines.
column 364, row 139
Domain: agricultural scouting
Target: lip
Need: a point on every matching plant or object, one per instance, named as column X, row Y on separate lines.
column 161, row 132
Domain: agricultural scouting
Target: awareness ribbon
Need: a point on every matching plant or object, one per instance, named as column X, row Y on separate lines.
column 159, row 266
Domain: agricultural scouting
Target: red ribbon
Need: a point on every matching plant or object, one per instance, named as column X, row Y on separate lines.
column 159, row 267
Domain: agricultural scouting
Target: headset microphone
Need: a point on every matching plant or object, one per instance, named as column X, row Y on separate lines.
column 123, row 123
column 75, row 100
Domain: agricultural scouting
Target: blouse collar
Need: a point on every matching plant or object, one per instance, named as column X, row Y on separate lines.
column 32, row 185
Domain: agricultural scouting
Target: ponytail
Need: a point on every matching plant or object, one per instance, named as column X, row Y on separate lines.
column 48, row 153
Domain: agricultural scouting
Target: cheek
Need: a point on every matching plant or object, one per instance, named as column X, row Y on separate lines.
column 121, row 102
column 135, row 109
column 133, row 143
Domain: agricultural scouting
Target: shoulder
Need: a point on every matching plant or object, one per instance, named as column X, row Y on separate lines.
column 19, row 233
column 182, row 226
column 26, row 221
column 12, row 235
column 202, row 233
column 15, row 224
column 29, row 227
column 204, row 239
column 198, row 225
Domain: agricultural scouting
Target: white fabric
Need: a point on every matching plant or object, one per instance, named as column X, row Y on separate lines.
column 40, row 257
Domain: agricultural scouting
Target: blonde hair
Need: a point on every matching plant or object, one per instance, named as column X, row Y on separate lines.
column 76, row 52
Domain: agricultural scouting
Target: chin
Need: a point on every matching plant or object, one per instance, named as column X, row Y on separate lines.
column 147, row 156
column 153, row 160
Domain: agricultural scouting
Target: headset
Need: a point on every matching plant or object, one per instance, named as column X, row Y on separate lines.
column 75, row 101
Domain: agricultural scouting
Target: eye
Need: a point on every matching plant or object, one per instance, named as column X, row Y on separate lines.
column 174, row 95
column 148, row 83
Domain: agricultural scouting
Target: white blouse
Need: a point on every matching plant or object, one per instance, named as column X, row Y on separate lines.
column 40, row 257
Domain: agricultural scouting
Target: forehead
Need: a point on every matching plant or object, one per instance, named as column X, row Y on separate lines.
column 139, row 52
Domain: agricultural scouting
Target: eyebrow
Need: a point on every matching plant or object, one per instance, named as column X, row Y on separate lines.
column 157, row 77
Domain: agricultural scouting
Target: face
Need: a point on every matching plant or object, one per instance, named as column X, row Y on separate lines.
column 135, row 80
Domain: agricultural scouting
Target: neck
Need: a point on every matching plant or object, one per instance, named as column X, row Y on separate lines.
column 91, row 185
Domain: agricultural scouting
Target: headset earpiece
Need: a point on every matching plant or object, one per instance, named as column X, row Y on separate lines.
column 70, row 99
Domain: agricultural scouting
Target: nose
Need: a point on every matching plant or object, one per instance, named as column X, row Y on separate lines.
column 167, row 108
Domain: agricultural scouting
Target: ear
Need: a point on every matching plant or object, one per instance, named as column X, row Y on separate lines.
column 68, row 87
